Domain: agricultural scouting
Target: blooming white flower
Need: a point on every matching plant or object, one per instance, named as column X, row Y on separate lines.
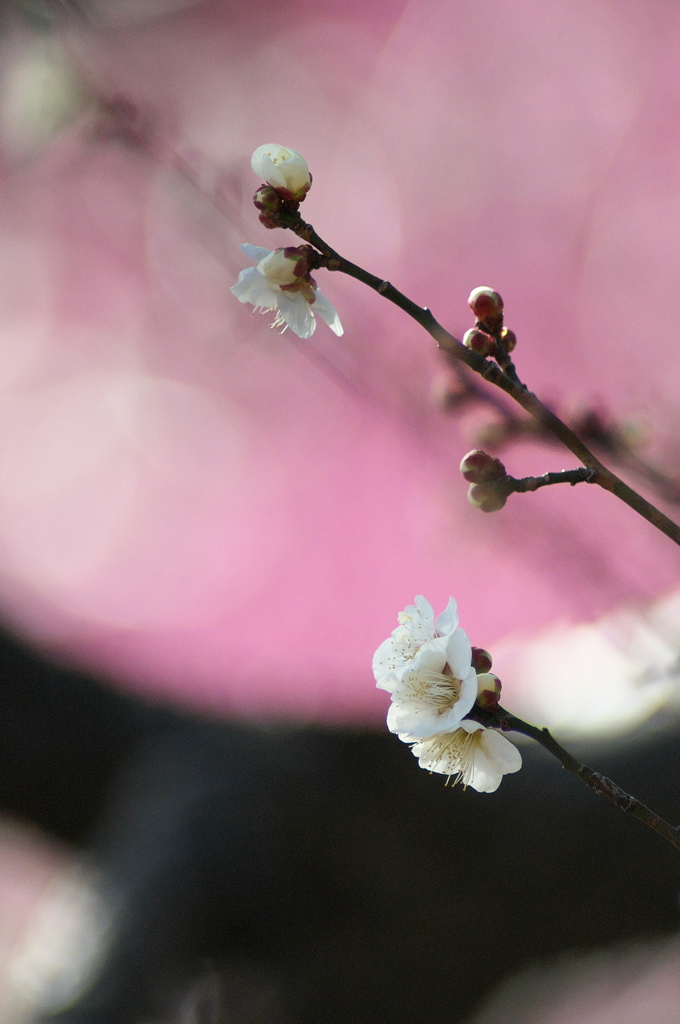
column 432, row 698
column 478, row 757
column 426, row 666
column 417, row 628
column 282, row 168
column 280, row 282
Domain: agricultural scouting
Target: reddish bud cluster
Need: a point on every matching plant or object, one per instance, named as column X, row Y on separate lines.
column 268, row 201
column 508, row 339
column 489, row 337
column 487, row 305
column 480, row 342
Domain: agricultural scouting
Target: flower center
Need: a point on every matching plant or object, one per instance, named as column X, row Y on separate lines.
column 439, row 690
column 456, row 752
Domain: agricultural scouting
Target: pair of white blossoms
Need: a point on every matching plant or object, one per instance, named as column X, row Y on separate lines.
column 426, row 667
column 277, row 281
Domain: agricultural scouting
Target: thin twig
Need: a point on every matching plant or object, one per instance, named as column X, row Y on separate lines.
column 492, row 373
column 499, row 718
column 584, row 474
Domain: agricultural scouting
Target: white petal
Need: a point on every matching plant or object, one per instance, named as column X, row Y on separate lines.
column 260, row 153
column 471, row 726
column 271, row 173
column 328, row 313
column 426, row 612
column 483, row 781
column 385, row 662
column 297, row 313
column 404, row 720
column 255, row 252
column 468, row 693
column 278, row 267
column 504, row 753
column 430, row 657
column 254, row 288
column 448, row 620
column 459, row 653
column 416, row 723
column 389, row 682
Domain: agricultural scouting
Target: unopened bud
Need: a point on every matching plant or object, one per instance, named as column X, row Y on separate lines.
column 488, row 690
column 284, row 169
column 480, row 342
column 269, row 203
column 477, row 467
column 487, row 305
column 508, row 339
column 481, row 660
column 489, row 497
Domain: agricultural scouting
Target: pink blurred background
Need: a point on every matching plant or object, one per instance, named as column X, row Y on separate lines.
column 201, row 509
column 205, row 510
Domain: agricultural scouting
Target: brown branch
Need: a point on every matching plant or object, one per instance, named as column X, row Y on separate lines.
column 492, row 373
column 565, row 476
column 498, row 718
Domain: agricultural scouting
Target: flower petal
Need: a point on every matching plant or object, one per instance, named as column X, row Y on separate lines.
column 327, row 312
column 255, row 252
column 386, row 660
column 270, row 172
column 426, row 613
column 254, row 288
column 297, row 313
column 448, row 620
column 459, row 653
column 504, row 753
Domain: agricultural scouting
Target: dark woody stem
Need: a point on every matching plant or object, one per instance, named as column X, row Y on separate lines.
column 584, row 474
column 498, row 718
column 492, row 373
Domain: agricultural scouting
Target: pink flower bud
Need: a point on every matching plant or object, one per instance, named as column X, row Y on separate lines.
column 480, row 342
column 481, row 660
column 488, row 690
column 486, row 304
column 478, row 467
column 489, row 497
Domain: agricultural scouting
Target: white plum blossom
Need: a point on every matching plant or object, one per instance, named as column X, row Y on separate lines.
column 476, row 756
column 417, row 628
column 284, row 169
column 426, row 666
column 432, row 698
column 280, row 281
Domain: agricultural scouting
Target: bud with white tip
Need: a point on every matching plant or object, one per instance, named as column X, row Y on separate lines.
column 480, row 342
column 487, row 305
column 488, row 497
column 284, row 169
column 477, row 467
column 488, row 690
